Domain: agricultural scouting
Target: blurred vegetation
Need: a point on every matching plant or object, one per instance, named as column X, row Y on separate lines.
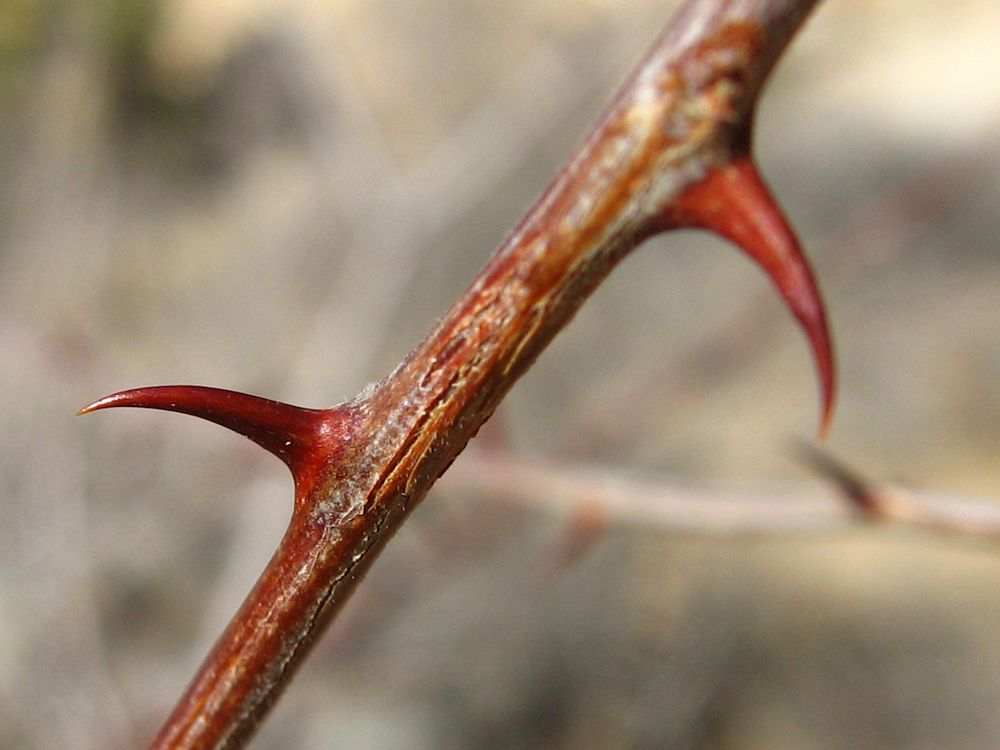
column 281, row 196
column 23, row 24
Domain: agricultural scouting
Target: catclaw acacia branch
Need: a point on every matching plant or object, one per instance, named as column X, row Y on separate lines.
column 672, row 150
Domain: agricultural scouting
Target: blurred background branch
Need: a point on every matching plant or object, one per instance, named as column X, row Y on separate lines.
column 198, row 192
column 841, row 504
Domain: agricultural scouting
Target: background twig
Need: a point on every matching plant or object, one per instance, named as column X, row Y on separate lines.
column 840, row 505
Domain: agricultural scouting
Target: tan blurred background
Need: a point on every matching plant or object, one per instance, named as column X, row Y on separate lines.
column 281, row 196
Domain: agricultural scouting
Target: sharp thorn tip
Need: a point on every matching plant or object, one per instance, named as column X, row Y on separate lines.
column 294, row 434
column 733, row 201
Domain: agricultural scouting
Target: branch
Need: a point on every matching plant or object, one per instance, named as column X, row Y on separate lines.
column 619, row 497
column 672, row 150
column 973, row 519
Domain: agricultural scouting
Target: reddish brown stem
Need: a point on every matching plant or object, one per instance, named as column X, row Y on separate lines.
column 671, row 150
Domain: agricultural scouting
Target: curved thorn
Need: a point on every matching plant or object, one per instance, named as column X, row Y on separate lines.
column 733, row 201
column 292, row 433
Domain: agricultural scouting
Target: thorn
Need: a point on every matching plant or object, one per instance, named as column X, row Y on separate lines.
column 856, row 488
column 298, row 436
column 733, row 201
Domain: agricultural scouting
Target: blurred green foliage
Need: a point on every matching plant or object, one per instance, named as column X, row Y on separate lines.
column 23, row 29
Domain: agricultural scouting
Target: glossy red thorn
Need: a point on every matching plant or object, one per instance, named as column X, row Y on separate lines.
column 296, row 435
column 734, row 202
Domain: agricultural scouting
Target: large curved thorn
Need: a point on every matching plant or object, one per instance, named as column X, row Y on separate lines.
column 294, row 434
column 733, row 201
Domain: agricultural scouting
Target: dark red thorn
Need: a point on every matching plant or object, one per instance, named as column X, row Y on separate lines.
column 733, row 201
column 298, row 436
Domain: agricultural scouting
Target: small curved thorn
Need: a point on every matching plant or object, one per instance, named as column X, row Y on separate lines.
column 292, row 433
column 733, row 201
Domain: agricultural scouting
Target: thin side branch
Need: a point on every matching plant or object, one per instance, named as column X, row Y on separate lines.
column 618, row 497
